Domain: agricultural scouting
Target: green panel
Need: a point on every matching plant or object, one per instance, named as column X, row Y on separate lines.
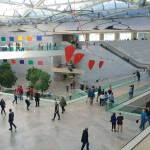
column 30, row 62
column 3, row 39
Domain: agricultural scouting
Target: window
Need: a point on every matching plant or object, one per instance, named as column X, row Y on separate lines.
column 143, row 35
column 81, row 37
column 94, row 37
column 109, row 36
column 125, row 36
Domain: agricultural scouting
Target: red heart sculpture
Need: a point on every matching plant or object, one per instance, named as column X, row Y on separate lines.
column 91, row 64
column 69, row 50
column 101, row 64
column 78, row 57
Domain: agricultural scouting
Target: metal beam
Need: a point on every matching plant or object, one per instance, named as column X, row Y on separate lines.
column 35, row 6
column 81, row 10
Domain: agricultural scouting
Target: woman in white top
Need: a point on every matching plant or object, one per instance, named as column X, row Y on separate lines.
column 102, row 99
column 28, row 102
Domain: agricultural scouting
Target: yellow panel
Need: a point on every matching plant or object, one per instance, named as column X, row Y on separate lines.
column 20, row 38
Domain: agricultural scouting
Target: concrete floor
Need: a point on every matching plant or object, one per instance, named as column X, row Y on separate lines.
column 36, row 131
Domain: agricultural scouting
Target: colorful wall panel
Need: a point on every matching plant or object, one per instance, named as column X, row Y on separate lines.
column 3, row 39
column 29, row 38
column 20, row 38
column 30, row 62
column 21, row 61
column 13, row 61
column 11, row 38
column 39, row 38
column 40, row 62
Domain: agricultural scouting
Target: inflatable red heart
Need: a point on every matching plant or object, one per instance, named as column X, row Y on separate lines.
column 78, row 57
column 91, row 64
column 101, row 64
column 69, row 50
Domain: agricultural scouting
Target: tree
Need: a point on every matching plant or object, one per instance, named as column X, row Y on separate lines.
column 7, row 76
column 38, row 79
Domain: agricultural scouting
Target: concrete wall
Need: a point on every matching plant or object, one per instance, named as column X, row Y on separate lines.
column 21, row 69
column 31, row 31
column 109, row 70
column 138, row 49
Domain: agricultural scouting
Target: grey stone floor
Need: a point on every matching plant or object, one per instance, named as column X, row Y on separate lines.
column 36, row 131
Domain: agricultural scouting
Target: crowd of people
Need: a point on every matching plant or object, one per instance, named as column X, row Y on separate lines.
column 105, row 96
column 48, row 46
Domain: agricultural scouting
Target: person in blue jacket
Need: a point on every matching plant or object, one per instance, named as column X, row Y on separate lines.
column 113, row 121
column 92, row 96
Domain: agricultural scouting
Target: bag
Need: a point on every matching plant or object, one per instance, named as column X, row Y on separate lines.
column 137, row 121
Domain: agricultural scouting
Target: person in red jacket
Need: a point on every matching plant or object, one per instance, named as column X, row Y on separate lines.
column 21, row 93
column 31, row 93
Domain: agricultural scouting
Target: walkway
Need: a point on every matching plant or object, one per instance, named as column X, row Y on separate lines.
column 36, row 131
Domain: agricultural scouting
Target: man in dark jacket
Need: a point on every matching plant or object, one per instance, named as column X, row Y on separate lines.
column 37, row 98
column 63, row 104
column 11, row 119
column 138, row 75
column 3, row 105
column 56, row 111
column 84, row 139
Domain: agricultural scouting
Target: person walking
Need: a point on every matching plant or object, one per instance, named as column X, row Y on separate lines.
column 102, row 99
column 28, row 102
column 37, row 99
column 63, row 104
column 99, row 92
column 28, row 92
column 120, row 122
column 84, row 139
column 138, row 75
column 55, row 46
column 67, row 88
column 31, row 93
column 88, row 92
column 3, row 105
column 143, row 119
column 11, row 119
column 92, row 96
column 21, row 93
column 15, row 96
column 111, row 98
column 106, row 98
column 113, row 121
column 130, row 91
column 56, row 111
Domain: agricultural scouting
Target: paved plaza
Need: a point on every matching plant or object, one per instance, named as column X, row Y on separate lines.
column 35, row 130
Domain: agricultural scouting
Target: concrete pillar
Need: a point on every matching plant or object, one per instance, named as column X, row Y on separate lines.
column 74, row 37
column 133, row 35
column 87, row 37
column 101, row 36
column 117, row 36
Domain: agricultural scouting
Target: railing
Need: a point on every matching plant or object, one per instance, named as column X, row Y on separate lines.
column 126, row 109
column 82, row 94
column 124, row 81
column 126, row 97
column 31, row 48
column 50, row 97
column 124, row 56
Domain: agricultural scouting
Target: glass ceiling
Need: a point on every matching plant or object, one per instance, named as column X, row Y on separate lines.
column 45, row 11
